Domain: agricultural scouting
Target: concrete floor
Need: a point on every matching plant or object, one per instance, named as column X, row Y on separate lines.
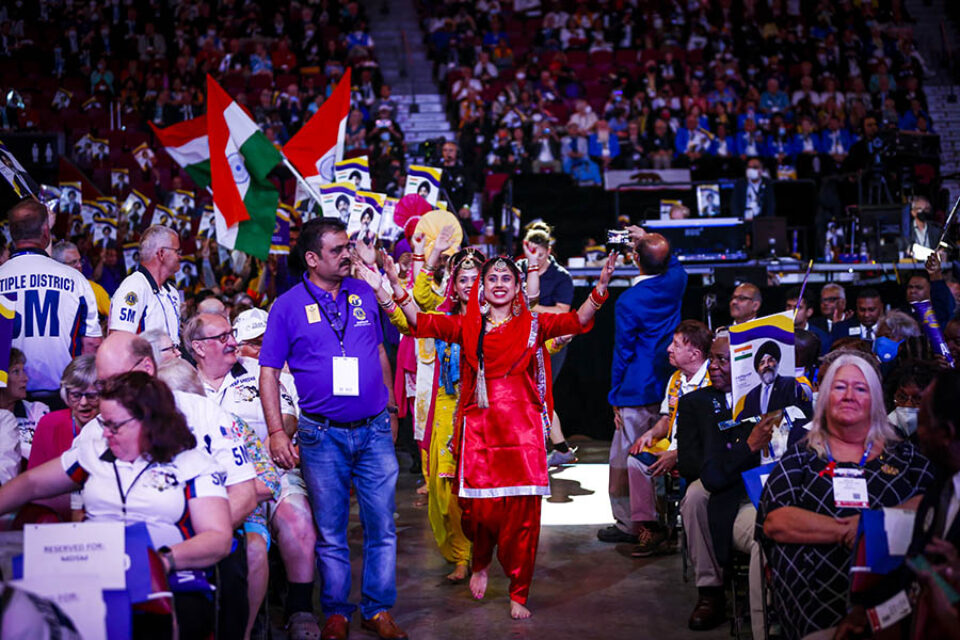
column 582, row 588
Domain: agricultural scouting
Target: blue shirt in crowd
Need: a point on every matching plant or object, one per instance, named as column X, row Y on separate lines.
column 308, row 341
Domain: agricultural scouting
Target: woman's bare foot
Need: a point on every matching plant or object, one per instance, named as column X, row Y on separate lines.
column 458, row 574
column 423, row 489
column 478, row 584
column 518, row 611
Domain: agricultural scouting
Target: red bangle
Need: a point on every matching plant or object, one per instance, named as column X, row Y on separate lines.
column 270, row 433
column 402, row 299
column 598, row 299
column 419, row 257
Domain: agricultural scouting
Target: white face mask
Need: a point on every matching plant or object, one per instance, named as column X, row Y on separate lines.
column 905, row 418
column 753, row 174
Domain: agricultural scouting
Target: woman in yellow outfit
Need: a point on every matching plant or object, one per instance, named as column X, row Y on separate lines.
column 442, row 508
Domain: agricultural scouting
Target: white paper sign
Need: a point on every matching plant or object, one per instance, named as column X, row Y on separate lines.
column 78, row 597
column 898, row 525
column 76, row 548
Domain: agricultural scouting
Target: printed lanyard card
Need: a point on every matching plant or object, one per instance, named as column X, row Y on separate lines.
column 850, row 489
column 346, row 376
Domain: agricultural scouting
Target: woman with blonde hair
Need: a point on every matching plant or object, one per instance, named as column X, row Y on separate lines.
column 809, row 513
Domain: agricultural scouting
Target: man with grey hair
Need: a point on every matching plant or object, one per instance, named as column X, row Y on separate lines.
column 54, row 304
column 234, row 384
column 212, row 305
column 65, row 252
column 833, row 307
column 145, row 299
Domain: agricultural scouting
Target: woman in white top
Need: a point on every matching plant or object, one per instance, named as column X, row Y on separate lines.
column 148, row 469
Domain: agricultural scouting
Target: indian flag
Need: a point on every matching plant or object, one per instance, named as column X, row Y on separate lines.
column 186, row 142
column 244, row 200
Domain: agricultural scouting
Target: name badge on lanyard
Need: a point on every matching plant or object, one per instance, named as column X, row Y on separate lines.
column 346, row 376
column 850, row 489
column 849, row 485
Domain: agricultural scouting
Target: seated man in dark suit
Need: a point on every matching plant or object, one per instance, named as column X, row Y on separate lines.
column 833, row 307
column 774, row 391
column 804, row 311
column 716, row 514
column 863, row 324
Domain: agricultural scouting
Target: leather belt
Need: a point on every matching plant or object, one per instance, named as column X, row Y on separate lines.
column 354, row 424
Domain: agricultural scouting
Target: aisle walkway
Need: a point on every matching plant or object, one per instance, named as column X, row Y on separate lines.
column 583, row 588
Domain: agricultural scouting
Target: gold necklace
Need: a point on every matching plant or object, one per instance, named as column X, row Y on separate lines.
column 496, row 323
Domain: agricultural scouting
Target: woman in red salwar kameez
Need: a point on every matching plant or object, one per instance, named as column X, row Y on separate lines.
column 502, row 419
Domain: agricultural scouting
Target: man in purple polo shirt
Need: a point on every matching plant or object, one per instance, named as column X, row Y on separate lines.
column 327, row 330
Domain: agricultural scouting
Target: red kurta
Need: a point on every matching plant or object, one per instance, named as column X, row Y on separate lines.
column 501, row 450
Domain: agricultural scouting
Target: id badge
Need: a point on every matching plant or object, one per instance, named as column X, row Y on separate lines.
column 850, row 489
column 346, row 376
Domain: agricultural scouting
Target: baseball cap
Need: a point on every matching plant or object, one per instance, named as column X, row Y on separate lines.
column 250, row 324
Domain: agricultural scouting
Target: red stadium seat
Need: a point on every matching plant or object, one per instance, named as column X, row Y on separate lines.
column 601, row 57
column 577, row 58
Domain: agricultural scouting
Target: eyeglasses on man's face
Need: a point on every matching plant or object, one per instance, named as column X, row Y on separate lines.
column 221, row 337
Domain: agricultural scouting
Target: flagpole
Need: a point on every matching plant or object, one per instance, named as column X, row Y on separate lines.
column 303, row 181
column 803, row 287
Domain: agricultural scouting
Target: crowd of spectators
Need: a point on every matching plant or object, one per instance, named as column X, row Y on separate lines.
column 589, row 86
column 148, row 63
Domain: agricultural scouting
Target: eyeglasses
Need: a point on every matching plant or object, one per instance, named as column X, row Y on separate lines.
column 221, row 337
column 174, row 347
column 740, row 298
column 830, row 299
column 179, row 252
column 76, row 396
column 114, row 427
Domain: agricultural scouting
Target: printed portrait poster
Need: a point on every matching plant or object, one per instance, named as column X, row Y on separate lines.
column 762, row 365
column 77, row 227
column 104, row 231
column 119, row 180
column 280, row 242
column 108, row 204
column 666, row 206
column 186, row 276
column 389, row 231
column 100, row 149
column 145, row 157
column 181, row 202
column 303, row 202
column 337, row 199
column 83, row 148
column 134, row 209
column 355, row 170
column 708, row 201
column 70, row 198
column 365, row 217
column 208, row 223
column 164, row 215
column 131, row 256
column 14, row 173
column 424, row 181
column 90, row 210
column 61, row 99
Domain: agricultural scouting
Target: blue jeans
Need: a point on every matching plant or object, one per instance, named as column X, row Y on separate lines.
column 332, row 459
